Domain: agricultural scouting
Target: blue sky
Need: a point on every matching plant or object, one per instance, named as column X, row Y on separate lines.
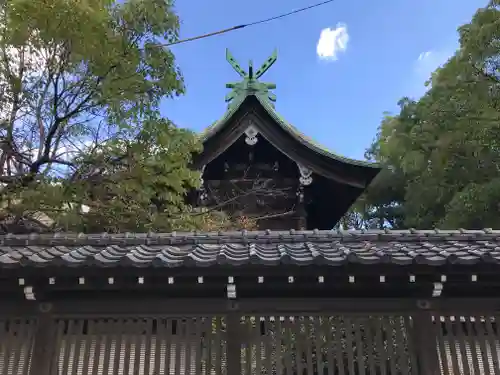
column 391, row 47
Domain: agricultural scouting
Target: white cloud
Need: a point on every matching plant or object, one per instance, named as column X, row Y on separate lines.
column 332, row 42
column 424, row 56
column 425, row 64
column 429, row 61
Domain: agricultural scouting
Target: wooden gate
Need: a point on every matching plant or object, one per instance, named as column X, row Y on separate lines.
column 265, row 344
column 252, row 344
column 328, row 345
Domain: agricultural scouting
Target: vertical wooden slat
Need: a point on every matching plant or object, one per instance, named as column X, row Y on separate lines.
column 319, row 344
column 451, row 343
column 131, row 347
column 471, row 343
column 3, row 335
column 369, row 333
column 160, row 330
column 496, row 336
column 57, row 364
column 101, row 334
column 24, row 347
column 16, row 327
column 309, row 344
column 67, row 327
column 400, row 347
column 491, row 337
column 482, row 344
column 135, row 357
column 27, row 353
column 168, row 340
column 388, row 327
column 327, row 328
column 121, row 346
column 90, row 346
column 9, row 341
column 379, row 343
column 233, row 337
column 223, row 369
column 209, row 344
column 358, row 323
column 269, row 343
column 147, row 342
column 279, row 346
column 113, row 361
column 135, row 345
column 165, row 352
column 19, row 346
column 245, row 345
column 349, row 344
column 299, row 354
column 461, row 343
column 16, row 345
column 77, row 346
column 176, row 347
column 70, row 340
column 288, row 337
column 173, row 349
column 12, row 343
column 337, row 325
column 109, row 328
column 126, row 346
column 410, row 341
column 198, row 345
column 188, row 344
column 443, row 354
column 258, row 345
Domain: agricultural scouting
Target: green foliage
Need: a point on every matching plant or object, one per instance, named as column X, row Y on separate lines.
column 442, row 152
column 82, row 141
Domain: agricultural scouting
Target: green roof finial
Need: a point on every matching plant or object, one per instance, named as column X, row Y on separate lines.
column 250, row 85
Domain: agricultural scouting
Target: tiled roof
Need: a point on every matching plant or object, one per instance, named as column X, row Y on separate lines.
column 432, row 247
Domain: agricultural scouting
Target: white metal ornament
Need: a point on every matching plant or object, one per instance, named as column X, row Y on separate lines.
column 251, row 135
column 305, row 175
column 203, row 192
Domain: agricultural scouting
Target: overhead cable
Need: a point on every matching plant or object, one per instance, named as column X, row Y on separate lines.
column 224, row 31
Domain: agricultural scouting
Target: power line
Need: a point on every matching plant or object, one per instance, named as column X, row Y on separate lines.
column 203, row 36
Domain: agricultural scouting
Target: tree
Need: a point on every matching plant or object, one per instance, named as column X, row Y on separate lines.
column 82, row 141
column 442, row 152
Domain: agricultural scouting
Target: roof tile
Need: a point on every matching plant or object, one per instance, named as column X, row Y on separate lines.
column 431, row 247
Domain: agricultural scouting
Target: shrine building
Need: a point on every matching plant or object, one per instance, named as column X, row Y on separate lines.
column 294, row 297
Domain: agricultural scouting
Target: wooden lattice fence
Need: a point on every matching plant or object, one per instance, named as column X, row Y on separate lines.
column 285, row 344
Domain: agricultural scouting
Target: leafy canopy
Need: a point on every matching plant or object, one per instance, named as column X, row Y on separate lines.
column 82, row 143
column 442, row 151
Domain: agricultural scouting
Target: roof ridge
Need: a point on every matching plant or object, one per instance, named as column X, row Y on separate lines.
column 245, row 236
